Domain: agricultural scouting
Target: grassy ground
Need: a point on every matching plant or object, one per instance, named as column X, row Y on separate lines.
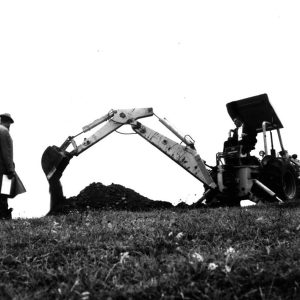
column 236, row 253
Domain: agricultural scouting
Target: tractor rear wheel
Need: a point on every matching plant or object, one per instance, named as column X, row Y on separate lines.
column 289, row 184
column 284, row 183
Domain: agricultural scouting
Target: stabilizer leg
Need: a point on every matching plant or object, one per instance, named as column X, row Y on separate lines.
column 267, row 190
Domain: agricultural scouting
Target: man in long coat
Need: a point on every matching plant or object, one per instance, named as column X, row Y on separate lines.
column 7, row 166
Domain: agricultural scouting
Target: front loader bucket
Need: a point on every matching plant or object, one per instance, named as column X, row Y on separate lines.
column 54, row 162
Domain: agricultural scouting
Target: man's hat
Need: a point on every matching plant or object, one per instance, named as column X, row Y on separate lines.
column 7, row 117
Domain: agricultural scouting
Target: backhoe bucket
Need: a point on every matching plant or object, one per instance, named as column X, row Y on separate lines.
column 54, row 162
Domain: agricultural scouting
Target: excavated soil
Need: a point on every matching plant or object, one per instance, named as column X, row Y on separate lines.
column 97, row 196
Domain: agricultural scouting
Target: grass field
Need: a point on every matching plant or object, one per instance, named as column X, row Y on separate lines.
column 224, row 253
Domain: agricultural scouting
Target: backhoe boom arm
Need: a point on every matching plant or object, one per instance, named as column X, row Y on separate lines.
column 186, row 157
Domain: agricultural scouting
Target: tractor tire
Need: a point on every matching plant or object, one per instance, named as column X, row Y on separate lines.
column 298, row 190
column 289, row 186
column 284, row 183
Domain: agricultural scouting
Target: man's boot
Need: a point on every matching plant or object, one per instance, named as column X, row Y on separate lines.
column 5, row 212
column 6, row 215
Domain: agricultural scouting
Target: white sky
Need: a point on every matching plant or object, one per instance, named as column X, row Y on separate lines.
column 64, row 64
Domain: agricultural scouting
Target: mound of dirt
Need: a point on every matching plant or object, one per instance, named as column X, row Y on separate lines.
column 114, row 196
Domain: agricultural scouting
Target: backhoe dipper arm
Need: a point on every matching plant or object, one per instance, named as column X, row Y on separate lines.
column 55, row 159
column 119, row 118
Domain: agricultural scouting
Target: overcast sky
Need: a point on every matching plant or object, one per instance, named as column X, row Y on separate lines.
column 64, row 64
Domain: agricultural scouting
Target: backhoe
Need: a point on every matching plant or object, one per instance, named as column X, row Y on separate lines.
column 234, row 177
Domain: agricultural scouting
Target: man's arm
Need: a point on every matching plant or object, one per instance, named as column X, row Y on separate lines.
column 249, row 139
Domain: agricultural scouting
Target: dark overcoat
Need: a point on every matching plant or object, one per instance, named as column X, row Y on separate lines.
column 7, row 165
